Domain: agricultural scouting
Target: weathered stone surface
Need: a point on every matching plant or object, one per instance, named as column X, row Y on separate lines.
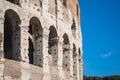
column 40, row 40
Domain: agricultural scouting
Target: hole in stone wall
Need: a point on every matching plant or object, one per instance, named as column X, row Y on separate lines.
column 35, row 4
column 66, row 57
column 79, row 60
column 55, row 60
column 7, row 38
column 66, row 65
column 38, row 49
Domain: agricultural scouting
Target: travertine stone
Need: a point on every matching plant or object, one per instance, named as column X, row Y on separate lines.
column 40, row 40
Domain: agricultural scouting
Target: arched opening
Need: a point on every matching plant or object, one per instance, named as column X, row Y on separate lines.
column 73, row 28
column 12, row 35
column 74, row 62
column 35, row 42
column 53, row 46
column 15, row 1
column 66, row 53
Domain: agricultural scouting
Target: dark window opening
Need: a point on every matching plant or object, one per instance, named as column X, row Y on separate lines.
column 66, row 52
column 15, row 1
column 52, row 46
column 35, row 42
column 12, row 35
column 31, row 51
column 30, row 30
column 52, row 37
column 7, row 38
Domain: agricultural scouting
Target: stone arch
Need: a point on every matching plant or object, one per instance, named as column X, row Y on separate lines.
column 74, row 62
column 53, row 46
column 66, row 53
column 73, row 28
column 15, row 1
column 35, row 42
column 12, row 35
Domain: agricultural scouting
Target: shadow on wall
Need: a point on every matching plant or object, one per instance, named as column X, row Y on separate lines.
column 0, row 44
column 15, row 1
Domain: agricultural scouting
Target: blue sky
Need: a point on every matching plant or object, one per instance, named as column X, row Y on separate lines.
column 100, row 24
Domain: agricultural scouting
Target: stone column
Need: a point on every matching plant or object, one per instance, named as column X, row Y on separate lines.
column 45, row 55
column 24, row 43
column 71, row 62
column 1, row 48
column 60, row 58
column 45, row 7
column 1, row 40
column 77, row 67
column 25, row 67
column 81, row 69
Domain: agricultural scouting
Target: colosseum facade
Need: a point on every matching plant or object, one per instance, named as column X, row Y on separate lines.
column 40, row 40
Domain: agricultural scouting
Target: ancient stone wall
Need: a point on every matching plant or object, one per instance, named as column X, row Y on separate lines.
column 40, row 40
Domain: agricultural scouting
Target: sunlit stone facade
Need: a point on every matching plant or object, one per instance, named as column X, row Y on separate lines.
column 40, row 40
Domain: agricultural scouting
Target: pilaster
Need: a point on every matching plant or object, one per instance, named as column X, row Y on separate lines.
column 25, row 66
column 71, row 62
column 45, row 54
column 77, row 64
column 60, row 58
column 1, row 42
